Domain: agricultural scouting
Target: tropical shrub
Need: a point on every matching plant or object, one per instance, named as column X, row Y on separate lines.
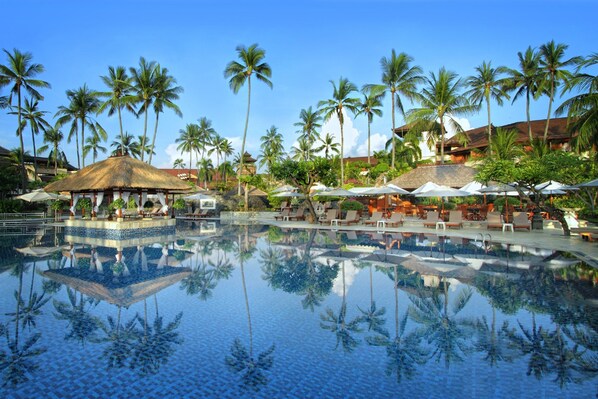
column 352, row 205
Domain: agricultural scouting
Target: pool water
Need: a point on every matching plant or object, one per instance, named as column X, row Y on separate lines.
column 256, row 311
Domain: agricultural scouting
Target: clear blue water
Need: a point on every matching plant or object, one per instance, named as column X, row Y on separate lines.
column 258, row 312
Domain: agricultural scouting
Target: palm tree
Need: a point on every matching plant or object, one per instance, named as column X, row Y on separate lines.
column 240, row 72
column 328, row 146
column 336, row 105
column 20, row 72
column 118, row 98
column 53, row 137
column 144, row 90
column 35, row 119
column 206, row 170
column 399, row 78
column 303, row 151
column 553, row 67
column 525, row 81
column 165, row 93
column 441, row 102
column 370, row 106
column 486, row 85
column 272, row 140
column 582, row 112
column 205, row 134
column 188, row 139
column 83, row 326
column 504, row 146
column 83, row 103
column 178, row 163
column 227, row 150
column 126, row 145
column 309, row 124
column 94, row 145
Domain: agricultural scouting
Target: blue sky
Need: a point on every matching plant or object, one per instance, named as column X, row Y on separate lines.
column 307, row 44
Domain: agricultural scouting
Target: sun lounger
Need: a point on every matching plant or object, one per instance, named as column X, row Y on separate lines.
column 331, row 214
column 396, row 219
column 298, row 215
column 431, row 219
column 375, row 218
column 193, row 214
column 455, row 219
column 154, row 212
column 494, row 220
column 350, row 217
column 521, row 221
column 281, row 216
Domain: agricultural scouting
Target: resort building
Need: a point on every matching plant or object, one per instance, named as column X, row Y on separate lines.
column 45, row 166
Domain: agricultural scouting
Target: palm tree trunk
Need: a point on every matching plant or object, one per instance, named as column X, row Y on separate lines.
column 489, row 125
column 441, row 139
column 18, row 312
column 247, row 308
column 369, row 123
column 82, row 141
column 120, row 123
column 20, row 130
column 392, row 133
column 244, row 137
column 154, row 139
column 529, row 123
column 55, row 159
column 549, row 109
column 190, row 165
column 396, row 287
column 342, row 149
column 34, row 154
column 144, row 133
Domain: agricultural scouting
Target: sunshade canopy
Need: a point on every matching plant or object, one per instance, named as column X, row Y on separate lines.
column 40, row 195
column 120, row 172
column 425, row 187
column 443, row 191
column 473, row 188
column 591, row 183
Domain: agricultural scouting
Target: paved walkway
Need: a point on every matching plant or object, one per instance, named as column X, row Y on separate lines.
column 551, row 237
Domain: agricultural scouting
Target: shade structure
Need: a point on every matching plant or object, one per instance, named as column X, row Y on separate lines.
column 119, row 172
column 505, row 189
column 443, row 191
column 289, row 194
column 40, row 195
column 591, row 183
column 425, row 187
column 284, row 188
column 318, row 188
column 473, row 188
column 197, row 197
column 387, row 189
column 339, row 192
column 551, row 187
column 38, row 252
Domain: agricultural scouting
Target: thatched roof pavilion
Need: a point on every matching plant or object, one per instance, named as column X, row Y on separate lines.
column 452, row 175
column 119, row 176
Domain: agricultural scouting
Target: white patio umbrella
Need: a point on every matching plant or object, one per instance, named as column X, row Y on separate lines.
column 290, row 194
column 443, row 191
column 505, row 189
column 340, row 192
column 40, row 195
column 197, row 197
column 284, row 188
column 551, row 187
column 425, row 187
column 384, row 190
column 473, row 188
column 591, row 183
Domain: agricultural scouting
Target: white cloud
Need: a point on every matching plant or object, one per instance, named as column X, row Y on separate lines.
column 377, row 143
column 450, row 132
column 351, row 134
column 172, row 154
column 350, row 272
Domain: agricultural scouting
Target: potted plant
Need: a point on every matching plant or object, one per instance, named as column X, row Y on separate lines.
column 117, row 205
column 58, row 206
column 179, row 205
column 84, row 204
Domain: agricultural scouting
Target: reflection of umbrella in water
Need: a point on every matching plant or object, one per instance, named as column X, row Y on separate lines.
column 38, row 252
column 40, row 195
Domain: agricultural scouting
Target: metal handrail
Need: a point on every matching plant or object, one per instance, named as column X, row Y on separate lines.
column 22, row 215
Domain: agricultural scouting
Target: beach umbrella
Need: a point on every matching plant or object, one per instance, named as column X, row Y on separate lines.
column 289, row 194
column 473, row 188
column 197, row 197
column 551, row 187
column 425, row 187
column 591, row 183
column 505, row 189
column 339, row 192
column 443, row 191
column 385, row 190
column 40, row 195
column 284, row 188
column 38, row 252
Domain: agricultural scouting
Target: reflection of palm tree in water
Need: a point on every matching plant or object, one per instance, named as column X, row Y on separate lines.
column 373, row 317
column 17, row 364
column 338, row 324
column 83, row 325
column 404, row 351
column 242, row 360
column 119, row 338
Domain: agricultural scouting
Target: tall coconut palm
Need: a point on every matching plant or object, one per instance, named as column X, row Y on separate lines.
column 336, row 106
column 126, row 145
column 217, row 143
column 328, row 146
column 441, row 102
column 553, row 66
column 504, row 146
column 53, row 137
column 205, row 134
column 227, row 150
column 272, row 140
column 178, row 164
column 166, row 92
column 35, row 119
column 484, row 86
column 187, row 140
column 525, row 81
column 303, row 151
column 371, row 106
column 118, row 97
column 252, row 62
column 144, row 89
column 84, row 102
column 94, row 145
column 206, row 170
column 309, row 124
column 582, row 109
column 400, row 78
column 20, row 72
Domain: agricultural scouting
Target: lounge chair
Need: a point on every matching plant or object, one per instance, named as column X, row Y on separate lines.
column 431, row 219
column 298, row 215
column 455, row 219
column 331, row 214
column 350, row 217
column 202, row 213
column 521, row 221
column 494, row 220
column 396, row 219
column 193, row 214
column 154, row 212
column 375, row 218
column 282, row 215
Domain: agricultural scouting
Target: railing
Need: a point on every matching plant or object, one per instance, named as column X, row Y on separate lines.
column 22, row 216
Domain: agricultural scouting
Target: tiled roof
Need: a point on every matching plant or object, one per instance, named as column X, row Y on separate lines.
column 452, row 175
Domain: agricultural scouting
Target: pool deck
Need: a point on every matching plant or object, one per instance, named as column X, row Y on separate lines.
column 550, row 237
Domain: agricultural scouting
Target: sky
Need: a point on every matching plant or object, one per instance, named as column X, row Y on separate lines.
column 308, row 43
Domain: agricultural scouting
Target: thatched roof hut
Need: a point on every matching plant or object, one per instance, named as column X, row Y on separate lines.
column 452, row 175
column 120, row 172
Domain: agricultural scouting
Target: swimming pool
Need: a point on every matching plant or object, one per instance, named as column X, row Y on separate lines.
column 256, row 311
